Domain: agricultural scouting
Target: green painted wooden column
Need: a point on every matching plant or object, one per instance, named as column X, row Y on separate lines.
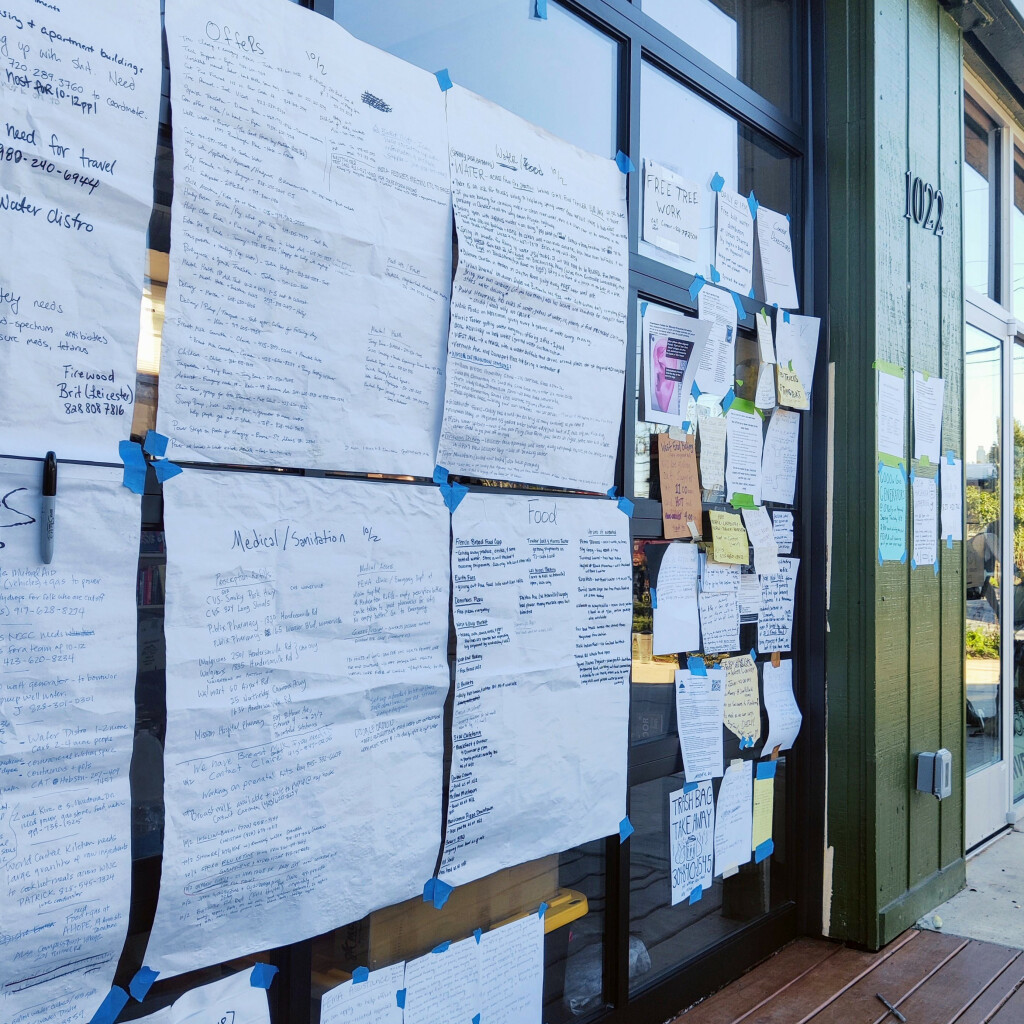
column 895, row 647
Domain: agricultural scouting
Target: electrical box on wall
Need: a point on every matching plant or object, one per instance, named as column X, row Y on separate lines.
column 935, row 773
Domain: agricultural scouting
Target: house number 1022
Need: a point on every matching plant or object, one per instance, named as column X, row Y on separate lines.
column 924, row 204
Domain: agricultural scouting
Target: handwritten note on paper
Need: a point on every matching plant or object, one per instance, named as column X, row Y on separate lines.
column 951, row 483
column 712, row 431
column 681, row 509
column 80, row 93
column 791, row 392
column 700, row 704
column 925, row 523
column 764, row 805
column 444, row 985
column 673, row 348
column 764, row 398
column 372, row 1001
column 782, row 527
column 691, row 839
column 512, row 972
column 892, row 514
column 719, row 621
column 734, row 817
column 784, row 717
column 765, row 339
column 729, row 538
column 537, row 344
column 671, row 211
column 796, row 342
column 891, row 414
column 742, row 713
column 543, row 599
column 67, row 678
column 719, row 576
column 350, row 142
column 775, row 247
column 734, row 242
column 306, row 625
column 231, row 1000
column 743, row 453
column 762, row 539
column 928, row 395
column 676, row 620
column 717, row 370
column 781, row 454
column 778, row 594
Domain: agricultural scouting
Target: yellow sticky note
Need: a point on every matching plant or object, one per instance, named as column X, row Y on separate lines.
column 764, row 802
column 729, row 538
column 742, row 703
column 791, row 391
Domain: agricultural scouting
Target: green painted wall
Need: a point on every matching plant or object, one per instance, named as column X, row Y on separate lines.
column 895, row 645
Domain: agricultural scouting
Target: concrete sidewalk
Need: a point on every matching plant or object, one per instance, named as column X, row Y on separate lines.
column 991, row 908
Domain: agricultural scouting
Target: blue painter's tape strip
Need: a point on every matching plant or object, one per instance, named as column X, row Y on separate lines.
column 753, row 204
column 903, row 472
column 880, row 556
column 741, row 311
column 156, row 444
column 134, row 466
column 751, row 293
column 689, row 787
column 165, row 470
column 950, row 460
column 911, row 475
column 453, row 495
column 697, row 666
column 360, row 974
column 654, row 597
column 717, row 182
column 730, row 397
column 696, row 894
column 540, row 8
column 686, row 426
column 542, row 910
column 476, row 1018
column 612, row 491
column 400, row 998
column 142, row 983
column 441, row 947
column 715, row 275
column 114, row 1002
column 785, row 315
column 949, row 540
column 643, row 308
column 625, row 505
column 936, row 567
column 695, row 286
column 262, row 975
column 440, row 475
column 442, row 890
column 753, row 654
column 764, row 850
column 903, row 558
column 443, row 79
column 478, row 934
column 766, row 769
column 625, row 829
column 624, row 163
column 695, row 391
column 428, row 889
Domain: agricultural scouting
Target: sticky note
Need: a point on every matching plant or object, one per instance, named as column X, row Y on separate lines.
column 729, row 538
column 791, row 391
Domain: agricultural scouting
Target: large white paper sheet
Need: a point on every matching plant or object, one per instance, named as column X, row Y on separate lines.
column 928, row 395
column 775, row 247
column 743, row 451
column 672, row 211
column 762, row 538
column 444, row 984
column 796, row 342
column 371, row 1001
column 673, row 349
column 951, row 483
column 310, row 260
column 784, row 717
column 712, row 432
column 67, row 719
column 779, row 460
column 691, row 839
column 734, row 242
column 925, row 523
column 778, row 595
column 543, row 611
column 765, row 338
column 719, row 621
column 891, row 414
column 676, row 619
column 734, row 818
column 232, row 1000
column 80, row 93
column 700, row 708
column 537, row 343
column 307, row 634
column 716, row 372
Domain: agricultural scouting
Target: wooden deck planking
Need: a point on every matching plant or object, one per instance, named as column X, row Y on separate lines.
column 1011, row 1012
column 983, row 1008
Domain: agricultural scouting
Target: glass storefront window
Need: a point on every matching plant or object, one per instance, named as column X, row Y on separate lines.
column 980, row 262
column 752, row 40
column 563, row 76
column 982, row 423
column 1018, row 571
column 1018, row 234
column 671, row 118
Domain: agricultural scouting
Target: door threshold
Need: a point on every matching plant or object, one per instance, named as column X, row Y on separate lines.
column 986, row 843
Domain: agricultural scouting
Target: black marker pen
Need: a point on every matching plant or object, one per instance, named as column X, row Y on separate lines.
column 48, row 519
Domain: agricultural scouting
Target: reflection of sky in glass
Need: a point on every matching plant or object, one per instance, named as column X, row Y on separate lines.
column 976, row 230
column 560, row 73
column 982, row 387
column 1018, row 236
column 702, row 25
